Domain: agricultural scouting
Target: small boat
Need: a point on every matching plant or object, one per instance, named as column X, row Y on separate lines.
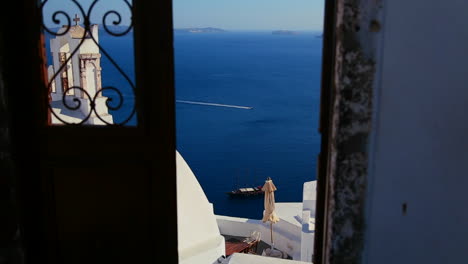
column 245, row 192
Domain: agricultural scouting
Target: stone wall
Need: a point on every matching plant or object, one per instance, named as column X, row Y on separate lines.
column 356, row 29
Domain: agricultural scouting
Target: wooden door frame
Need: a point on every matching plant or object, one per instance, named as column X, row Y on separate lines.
column 353, row 37
column 326, row 93
column 154, row 65
column 25, row 54
column 154, row 17
column 23, row 77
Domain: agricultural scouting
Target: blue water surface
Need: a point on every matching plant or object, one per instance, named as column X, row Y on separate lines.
column 277, row 75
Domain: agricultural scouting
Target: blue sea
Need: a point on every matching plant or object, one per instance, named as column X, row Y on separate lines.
column 277, row 75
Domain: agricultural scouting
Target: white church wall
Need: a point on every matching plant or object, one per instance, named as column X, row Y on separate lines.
column 50, row 75
column 101, row 106
column 198, row 231
column 66, row 118
column 65, row 48
column 95, row 32
column 307, row 236
column 76, row 65
column 54, row 47
column 91, row 79
column 89, row 46
column 309, row 200
column 309, row 196
column 419, row 150
column 85, row 106
column 69, row 70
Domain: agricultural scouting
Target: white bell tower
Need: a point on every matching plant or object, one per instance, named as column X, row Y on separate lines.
column 82, row 70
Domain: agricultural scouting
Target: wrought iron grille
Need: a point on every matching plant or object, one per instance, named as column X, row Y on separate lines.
column 73, row 96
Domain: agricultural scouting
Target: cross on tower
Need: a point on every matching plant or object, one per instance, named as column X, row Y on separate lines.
column 76, row 19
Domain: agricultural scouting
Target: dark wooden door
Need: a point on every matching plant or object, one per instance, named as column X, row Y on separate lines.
column 105, row 195
column 96, row 194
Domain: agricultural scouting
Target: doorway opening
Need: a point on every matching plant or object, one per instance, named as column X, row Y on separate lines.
column 248, row 91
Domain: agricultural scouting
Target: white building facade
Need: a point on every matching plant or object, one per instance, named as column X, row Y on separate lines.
column 199, row 238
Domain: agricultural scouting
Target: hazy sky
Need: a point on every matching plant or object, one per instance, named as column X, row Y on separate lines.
column 250, row 14
column 226, row 14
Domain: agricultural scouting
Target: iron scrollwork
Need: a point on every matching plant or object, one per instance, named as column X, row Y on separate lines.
column 115, row 103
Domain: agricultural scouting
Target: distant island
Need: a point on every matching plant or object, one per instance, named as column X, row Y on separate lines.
column 284, row 32
column 199, row 30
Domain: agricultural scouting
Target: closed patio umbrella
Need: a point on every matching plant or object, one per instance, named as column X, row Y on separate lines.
column 269, row 215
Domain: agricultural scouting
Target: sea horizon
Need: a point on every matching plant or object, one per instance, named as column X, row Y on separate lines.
column 277, row 75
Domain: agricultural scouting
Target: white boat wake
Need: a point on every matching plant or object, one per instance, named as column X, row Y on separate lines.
column 213, row 104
